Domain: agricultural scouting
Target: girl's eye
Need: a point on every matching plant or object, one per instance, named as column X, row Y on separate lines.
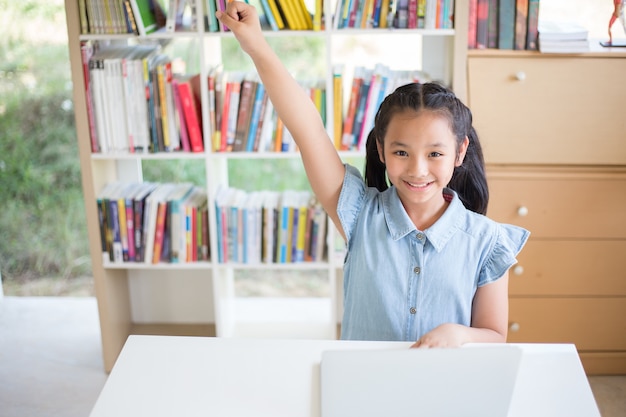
column 401, row 153
column 434, row 154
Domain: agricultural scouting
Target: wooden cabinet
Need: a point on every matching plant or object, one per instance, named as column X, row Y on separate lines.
column 535, row 108
column 553, row 130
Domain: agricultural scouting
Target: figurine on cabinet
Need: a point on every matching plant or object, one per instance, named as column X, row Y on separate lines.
column 618, row 13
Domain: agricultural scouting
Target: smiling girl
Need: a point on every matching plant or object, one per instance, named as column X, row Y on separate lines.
column 424, row 263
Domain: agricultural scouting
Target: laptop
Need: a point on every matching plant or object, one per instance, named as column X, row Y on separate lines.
column 468, row 381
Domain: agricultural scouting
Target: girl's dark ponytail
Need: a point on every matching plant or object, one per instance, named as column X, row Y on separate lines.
column 469, row 180
column 374, row 169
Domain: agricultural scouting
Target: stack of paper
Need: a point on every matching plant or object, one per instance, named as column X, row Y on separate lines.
column 562, row 37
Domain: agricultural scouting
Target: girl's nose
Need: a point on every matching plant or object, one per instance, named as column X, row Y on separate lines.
column 417, row 167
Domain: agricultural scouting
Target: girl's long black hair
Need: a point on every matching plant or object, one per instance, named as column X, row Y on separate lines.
column 468, row 180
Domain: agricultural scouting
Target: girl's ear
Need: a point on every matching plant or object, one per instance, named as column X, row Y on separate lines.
column 381, row 153
column 462, row 151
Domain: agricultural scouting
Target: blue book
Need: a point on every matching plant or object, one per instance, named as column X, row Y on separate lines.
column 269, row 16
column 255, row 117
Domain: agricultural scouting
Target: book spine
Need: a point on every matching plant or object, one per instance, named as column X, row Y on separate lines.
column 471, row 26
column 191, row 116
column 159, row 231
column 255, row 118
column 492, row 25
column 532, row 30
column 506, row 24
column 130, row 229
column 521, row 24
column 482, row 25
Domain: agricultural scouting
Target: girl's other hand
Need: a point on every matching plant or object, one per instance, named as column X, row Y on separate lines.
column 242, row 19
column 446, row 335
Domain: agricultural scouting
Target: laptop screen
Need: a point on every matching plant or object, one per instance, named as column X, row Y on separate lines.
column 469, row 381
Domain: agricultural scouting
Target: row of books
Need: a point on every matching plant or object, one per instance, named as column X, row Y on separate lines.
column 354, row 114
column 399, row 14
column 242, row 118
column 138, row 17
column 503, row 24
column 137, row 103
column 269, row 227
column 153, row 222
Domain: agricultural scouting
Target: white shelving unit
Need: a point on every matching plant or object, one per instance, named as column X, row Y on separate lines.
column 200, row 298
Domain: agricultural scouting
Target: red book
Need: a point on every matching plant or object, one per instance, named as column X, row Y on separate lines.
column 192, row 115
column 182, row 125
column 471, row 27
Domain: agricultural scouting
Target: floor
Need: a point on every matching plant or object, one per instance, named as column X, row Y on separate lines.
column 51, row 365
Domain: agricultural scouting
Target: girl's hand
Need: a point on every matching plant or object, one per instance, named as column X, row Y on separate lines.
column 243, row 20
column 446, row 335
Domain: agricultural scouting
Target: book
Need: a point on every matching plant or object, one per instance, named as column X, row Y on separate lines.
column 347, row 137
column 234, row 92
column 337, row 106
column 178, row 221
column 256, row 118
column 145, row 16
column 564, row 46
column 482, row 24
column 506, row 24
column 244, row 112
column 558, row 30
column 210, row 9
column 275, row 12
column 521, row 24
column 180, row 118
column 269, row 208
column 151, row 211
column 139, row 201
column 190, row 107
column 159, row 231
column 360, row 111
column 492, row 25
column 269, row 15
column 471, row 26
column 532, row 29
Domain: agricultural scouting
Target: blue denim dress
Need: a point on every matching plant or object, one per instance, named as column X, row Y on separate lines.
column 400, row 282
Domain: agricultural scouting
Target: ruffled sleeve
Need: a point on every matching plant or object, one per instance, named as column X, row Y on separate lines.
column 509, row 242
column 350, row 199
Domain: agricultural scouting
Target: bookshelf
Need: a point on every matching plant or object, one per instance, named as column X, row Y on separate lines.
column 200, row 298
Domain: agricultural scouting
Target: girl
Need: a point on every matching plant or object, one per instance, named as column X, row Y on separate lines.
column 420, row 265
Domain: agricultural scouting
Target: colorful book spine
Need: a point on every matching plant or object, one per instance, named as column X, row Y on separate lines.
column 521, row 24
column 532, row 30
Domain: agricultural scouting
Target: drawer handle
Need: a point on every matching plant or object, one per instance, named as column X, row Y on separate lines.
column 518, row 270
column 514, row 327
column 520, row 75
column 522, row 211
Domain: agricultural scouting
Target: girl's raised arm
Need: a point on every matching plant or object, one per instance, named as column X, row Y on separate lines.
column 323, row 166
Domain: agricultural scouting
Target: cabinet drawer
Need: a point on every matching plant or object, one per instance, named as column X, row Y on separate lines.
column 570, row 267
column 562, row 110
column 567, row 207
column 590, row 323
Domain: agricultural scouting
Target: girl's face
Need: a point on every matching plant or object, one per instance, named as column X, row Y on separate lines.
column 420, row 153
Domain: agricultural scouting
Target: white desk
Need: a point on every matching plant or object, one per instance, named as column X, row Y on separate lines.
column 227, row 377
